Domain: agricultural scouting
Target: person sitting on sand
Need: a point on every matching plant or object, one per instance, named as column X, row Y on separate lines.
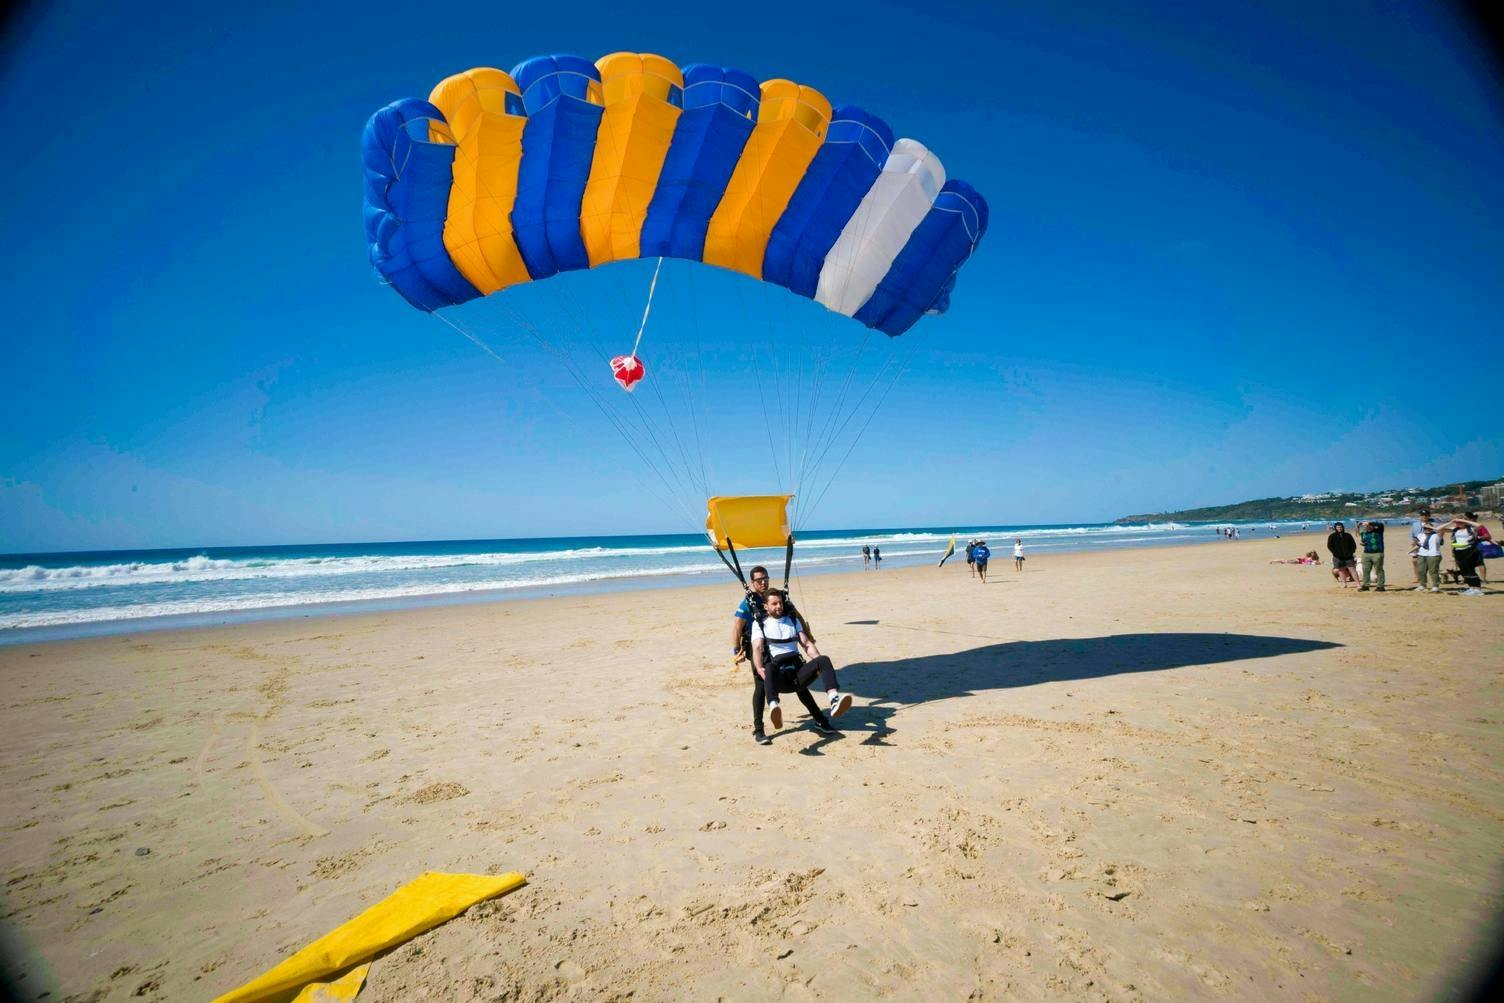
column 1309, row 557
column 1343, row 548
column 777, row 641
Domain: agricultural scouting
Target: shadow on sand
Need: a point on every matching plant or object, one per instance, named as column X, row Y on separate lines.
column 885, row 688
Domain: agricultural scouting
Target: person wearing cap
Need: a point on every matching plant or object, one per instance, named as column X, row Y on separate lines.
column 982, row 554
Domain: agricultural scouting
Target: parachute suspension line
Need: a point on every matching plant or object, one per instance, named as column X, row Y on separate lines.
column 470, row 336
column 572, row 368
column 643, row 429
column 898, row 372
column 694, row 312
column 663, row 371
column 855, row 410
column 762, row 397
column 837, row 409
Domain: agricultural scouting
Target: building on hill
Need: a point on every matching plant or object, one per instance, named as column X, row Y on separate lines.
column 1488, row 495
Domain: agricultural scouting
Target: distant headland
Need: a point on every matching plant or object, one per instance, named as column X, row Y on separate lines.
column 1482, row 494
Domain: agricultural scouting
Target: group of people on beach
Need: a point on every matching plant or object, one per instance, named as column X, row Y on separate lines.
column 872, row 556
column 768, row 631
column 978, row 554
column 1469, row 540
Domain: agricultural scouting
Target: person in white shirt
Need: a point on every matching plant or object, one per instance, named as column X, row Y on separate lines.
column 1427, row 558
column 783, row 668
column 1018, row 554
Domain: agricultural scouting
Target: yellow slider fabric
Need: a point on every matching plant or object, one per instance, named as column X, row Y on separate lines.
column 419, row 905
column 748, row 520
column 478, row 232
column 634, row 135
column 791, row 124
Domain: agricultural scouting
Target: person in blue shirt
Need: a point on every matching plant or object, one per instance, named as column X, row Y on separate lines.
column 981, row 555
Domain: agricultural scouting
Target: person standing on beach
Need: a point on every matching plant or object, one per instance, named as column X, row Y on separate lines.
column 1373, row 554
column 982, row 555
column 1417, row 527
column 1018, row 554
column 866, row 556
column 971, row 556
column 877, row 557
column 1428, row 559
column 1341, row 545
column 1466, row 552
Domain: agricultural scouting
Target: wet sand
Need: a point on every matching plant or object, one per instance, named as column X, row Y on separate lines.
column 1134, row 775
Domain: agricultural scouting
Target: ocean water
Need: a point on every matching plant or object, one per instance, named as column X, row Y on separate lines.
column 45, row 596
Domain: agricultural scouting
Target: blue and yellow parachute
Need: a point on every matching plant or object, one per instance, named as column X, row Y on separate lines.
column 502, row 178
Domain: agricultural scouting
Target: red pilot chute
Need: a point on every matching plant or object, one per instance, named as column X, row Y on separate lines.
column 628, row 370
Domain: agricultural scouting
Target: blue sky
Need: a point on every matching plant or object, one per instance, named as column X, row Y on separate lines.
column 1233, row 253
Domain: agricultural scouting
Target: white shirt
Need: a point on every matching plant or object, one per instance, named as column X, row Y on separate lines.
column 1429, row 544
column 782, row 635
column 1463, row 537
column 1018, row 550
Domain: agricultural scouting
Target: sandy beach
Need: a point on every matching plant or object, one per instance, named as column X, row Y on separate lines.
column 1158, row 774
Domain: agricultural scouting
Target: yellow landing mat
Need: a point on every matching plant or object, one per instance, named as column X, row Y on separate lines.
column 419, row 905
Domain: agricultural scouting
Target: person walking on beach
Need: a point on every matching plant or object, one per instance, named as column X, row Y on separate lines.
column 1428, row 559
column 982, row 555
column 1341, row 545
column 785, row 670
column 971, row 556
column 1373, row 554
column 1018, row 554
column 877, row 557
column 866, row 556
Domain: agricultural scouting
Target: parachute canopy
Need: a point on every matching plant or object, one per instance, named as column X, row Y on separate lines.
column 748, row 521
column 503, row 178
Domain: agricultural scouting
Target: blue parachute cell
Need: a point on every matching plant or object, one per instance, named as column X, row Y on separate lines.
column 847, row 164
column 924, row 273
column 720, row 109
column 407, row 181
column 562, row 98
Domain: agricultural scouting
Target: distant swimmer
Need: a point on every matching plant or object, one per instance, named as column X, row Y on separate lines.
column 1018, row 555
column 982, row 554
column 777, row 641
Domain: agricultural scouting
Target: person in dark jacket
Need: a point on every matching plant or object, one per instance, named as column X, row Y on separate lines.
column 1343, row 548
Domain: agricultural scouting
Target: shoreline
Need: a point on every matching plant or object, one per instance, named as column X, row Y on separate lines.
column 50, row 633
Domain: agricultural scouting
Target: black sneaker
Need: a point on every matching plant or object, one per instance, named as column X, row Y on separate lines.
column 761, row 738
column 823, row 727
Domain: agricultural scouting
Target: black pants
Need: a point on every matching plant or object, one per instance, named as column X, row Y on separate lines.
column 793, row 675
column 1468, row 560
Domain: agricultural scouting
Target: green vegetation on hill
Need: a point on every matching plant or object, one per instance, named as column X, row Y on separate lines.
column 1326, row 505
